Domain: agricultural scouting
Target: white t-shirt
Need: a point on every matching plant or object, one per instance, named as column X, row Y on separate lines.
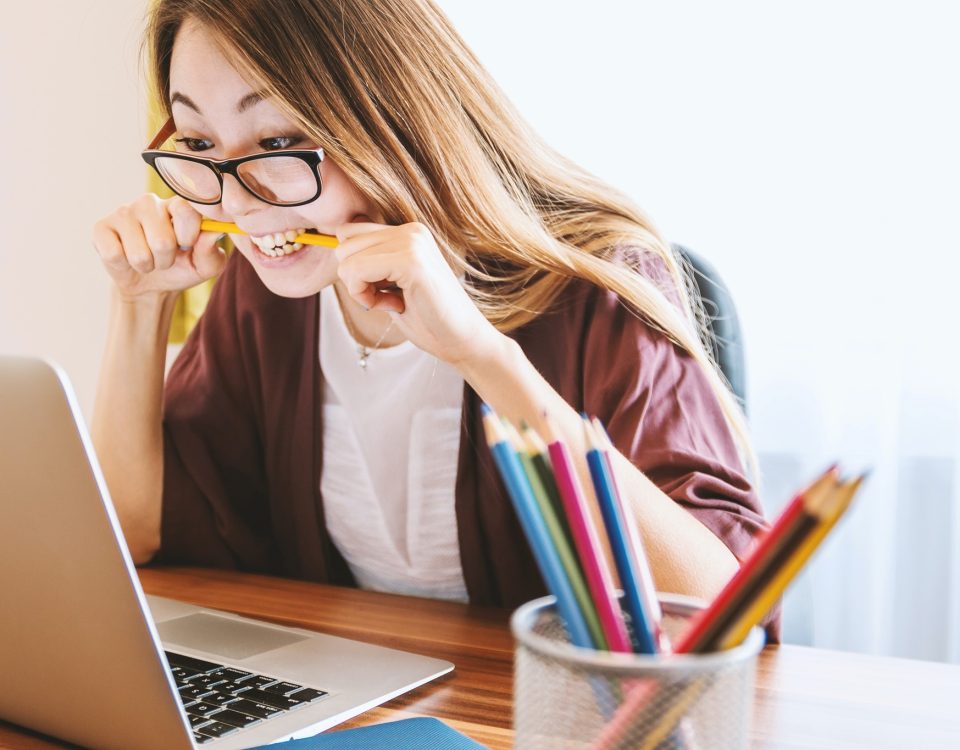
column 391, row 440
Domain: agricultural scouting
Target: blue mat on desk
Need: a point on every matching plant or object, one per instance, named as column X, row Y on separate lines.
column 405, row 734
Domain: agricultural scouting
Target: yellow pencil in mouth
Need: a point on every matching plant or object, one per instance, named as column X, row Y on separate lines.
column 307, row 238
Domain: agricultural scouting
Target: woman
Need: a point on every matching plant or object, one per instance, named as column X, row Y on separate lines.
column 323, row 420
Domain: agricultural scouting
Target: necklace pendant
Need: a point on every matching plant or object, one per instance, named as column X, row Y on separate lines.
column 364, row 353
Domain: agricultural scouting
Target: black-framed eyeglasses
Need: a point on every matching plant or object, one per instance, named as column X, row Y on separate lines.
column 281, row 178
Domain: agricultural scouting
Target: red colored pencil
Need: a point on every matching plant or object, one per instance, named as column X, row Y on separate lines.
column 787, row 530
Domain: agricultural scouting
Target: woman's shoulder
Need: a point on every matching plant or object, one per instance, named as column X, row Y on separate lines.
column 583, row 304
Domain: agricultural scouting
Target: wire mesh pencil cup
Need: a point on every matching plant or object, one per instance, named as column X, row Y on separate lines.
column 567, row 698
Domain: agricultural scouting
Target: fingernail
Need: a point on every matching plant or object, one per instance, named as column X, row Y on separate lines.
column 185, row 248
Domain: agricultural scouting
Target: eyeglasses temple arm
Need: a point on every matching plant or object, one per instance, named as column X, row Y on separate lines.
column 166, row 131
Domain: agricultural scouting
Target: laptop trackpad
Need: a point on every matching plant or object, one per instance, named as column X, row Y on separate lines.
column 223, row 636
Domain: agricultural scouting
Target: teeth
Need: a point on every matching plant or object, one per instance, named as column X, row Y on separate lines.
column 280, row 243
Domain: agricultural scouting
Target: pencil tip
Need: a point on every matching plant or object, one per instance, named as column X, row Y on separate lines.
column 588, row 433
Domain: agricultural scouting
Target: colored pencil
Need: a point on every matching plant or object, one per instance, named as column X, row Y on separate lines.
column 568, row 560
column 587, row 541
column 534, row 528
column 834, row 506
column 307, row 238
column 648, row 591
column 537, row 450
column 616, row 525
column 708, row 623
column 766, row 573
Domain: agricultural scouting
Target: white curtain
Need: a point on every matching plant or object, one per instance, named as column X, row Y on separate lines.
column 890, row 580
column 810, row 152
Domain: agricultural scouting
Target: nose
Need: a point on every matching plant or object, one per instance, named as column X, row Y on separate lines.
column 237, row 200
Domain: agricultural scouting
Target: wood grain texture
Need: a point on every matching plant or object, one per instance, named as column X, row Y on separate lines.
column 805, row 698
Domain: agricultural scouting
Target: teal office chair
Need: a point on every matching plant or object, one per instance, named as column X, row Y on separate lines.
column 722, row 320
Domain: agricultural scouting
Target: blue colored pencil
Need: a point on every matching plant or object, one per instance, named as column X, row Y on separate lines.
column 535, row 529
column 630, row 575
column 648, row 592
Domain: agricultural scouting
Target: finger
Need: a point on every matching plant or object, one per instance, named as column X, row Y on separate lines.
column 135, row 246
column 107, row 243
column 376, row 266
column 158, row 231
column 388, row 300
column 186, row 222
column 359, row 242
column 207, row 256
column 356, row 228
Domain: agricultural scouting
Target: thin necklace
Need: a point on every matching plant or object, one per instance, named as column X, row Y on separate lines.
column 363, row 352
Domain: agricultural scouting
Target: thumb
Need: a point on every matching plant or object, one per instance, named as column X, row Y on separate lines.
column 207, row 256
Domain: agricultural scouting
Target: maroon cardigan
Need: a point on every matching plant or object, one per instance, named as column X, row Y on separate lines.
column 243, row 437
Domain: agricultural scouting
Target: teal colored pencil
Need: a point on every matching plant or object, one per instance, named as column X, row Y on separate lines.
column 568, row 558
column 534, row 528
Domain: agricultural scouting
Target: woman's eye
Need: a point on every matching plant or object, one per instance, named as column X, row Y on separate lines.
column 195, row 144
column 280, row 142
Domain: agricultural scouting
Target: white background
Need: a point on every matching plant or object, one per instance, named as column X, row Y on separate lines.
column 808, row 150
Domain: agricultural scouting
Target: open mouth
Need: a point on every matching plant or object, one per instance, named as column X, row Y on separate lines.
column 278, row 244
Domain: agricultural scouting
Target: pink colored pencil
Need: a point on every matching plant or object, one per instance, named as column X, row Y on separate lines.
column 587, row 542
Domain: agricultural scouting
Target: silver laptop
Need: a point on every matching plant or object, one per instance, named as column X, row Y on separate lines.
column 86, row 657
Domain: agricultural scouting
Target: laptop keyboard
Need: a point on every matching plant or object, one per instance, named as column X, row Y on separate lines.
column 220, row 700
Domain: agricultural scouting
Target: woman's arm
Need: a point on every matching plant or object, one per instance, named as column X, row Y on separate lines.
column 126, row 424
column 685, row 556
column 151, row 249
column 432, row 309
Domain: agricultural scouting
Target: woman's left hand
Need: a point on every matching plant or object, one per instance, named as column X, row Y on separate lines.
column 400, row 270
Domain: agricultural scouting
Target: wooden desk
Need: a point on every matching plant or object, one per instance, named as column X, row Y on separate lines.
column 806, row 698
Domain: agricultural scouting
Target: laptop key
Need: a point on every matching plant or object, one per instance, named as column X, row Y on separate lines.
column 307, row 694
column 201, row 738
column 271, row 699
column 261, row 710
column 179, row 660
column 282, row 688
column 202, row 709
column 220, row 699
column 182, row 673
column 190, row 692
column 237, row 719
column 232, row 689
column 195, row 721
column 233, row 674
column 259, row 681
column 216, row 729
column 206, row 680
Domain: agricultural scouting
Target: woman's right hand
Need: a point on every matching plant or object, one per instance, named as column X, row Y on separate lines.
column 154, row 246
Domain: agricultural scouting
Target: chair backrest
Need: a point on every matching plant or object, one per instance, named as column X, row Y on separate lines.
column 723, row 321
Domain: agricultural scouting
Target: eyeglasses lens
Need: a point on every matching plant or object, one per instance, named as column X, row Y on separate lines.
column 189, row 179
column 279, row 179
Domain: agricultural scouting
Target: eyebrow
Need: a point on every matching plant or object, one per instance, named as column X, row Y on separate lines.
column 250, row 100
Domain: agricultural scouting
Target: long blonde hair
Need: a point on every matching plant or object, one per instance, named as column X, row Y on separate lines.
column 403, row 106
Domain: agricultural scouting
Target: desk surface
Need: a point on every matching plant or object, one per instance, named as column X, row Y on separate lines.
column 806, row 698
